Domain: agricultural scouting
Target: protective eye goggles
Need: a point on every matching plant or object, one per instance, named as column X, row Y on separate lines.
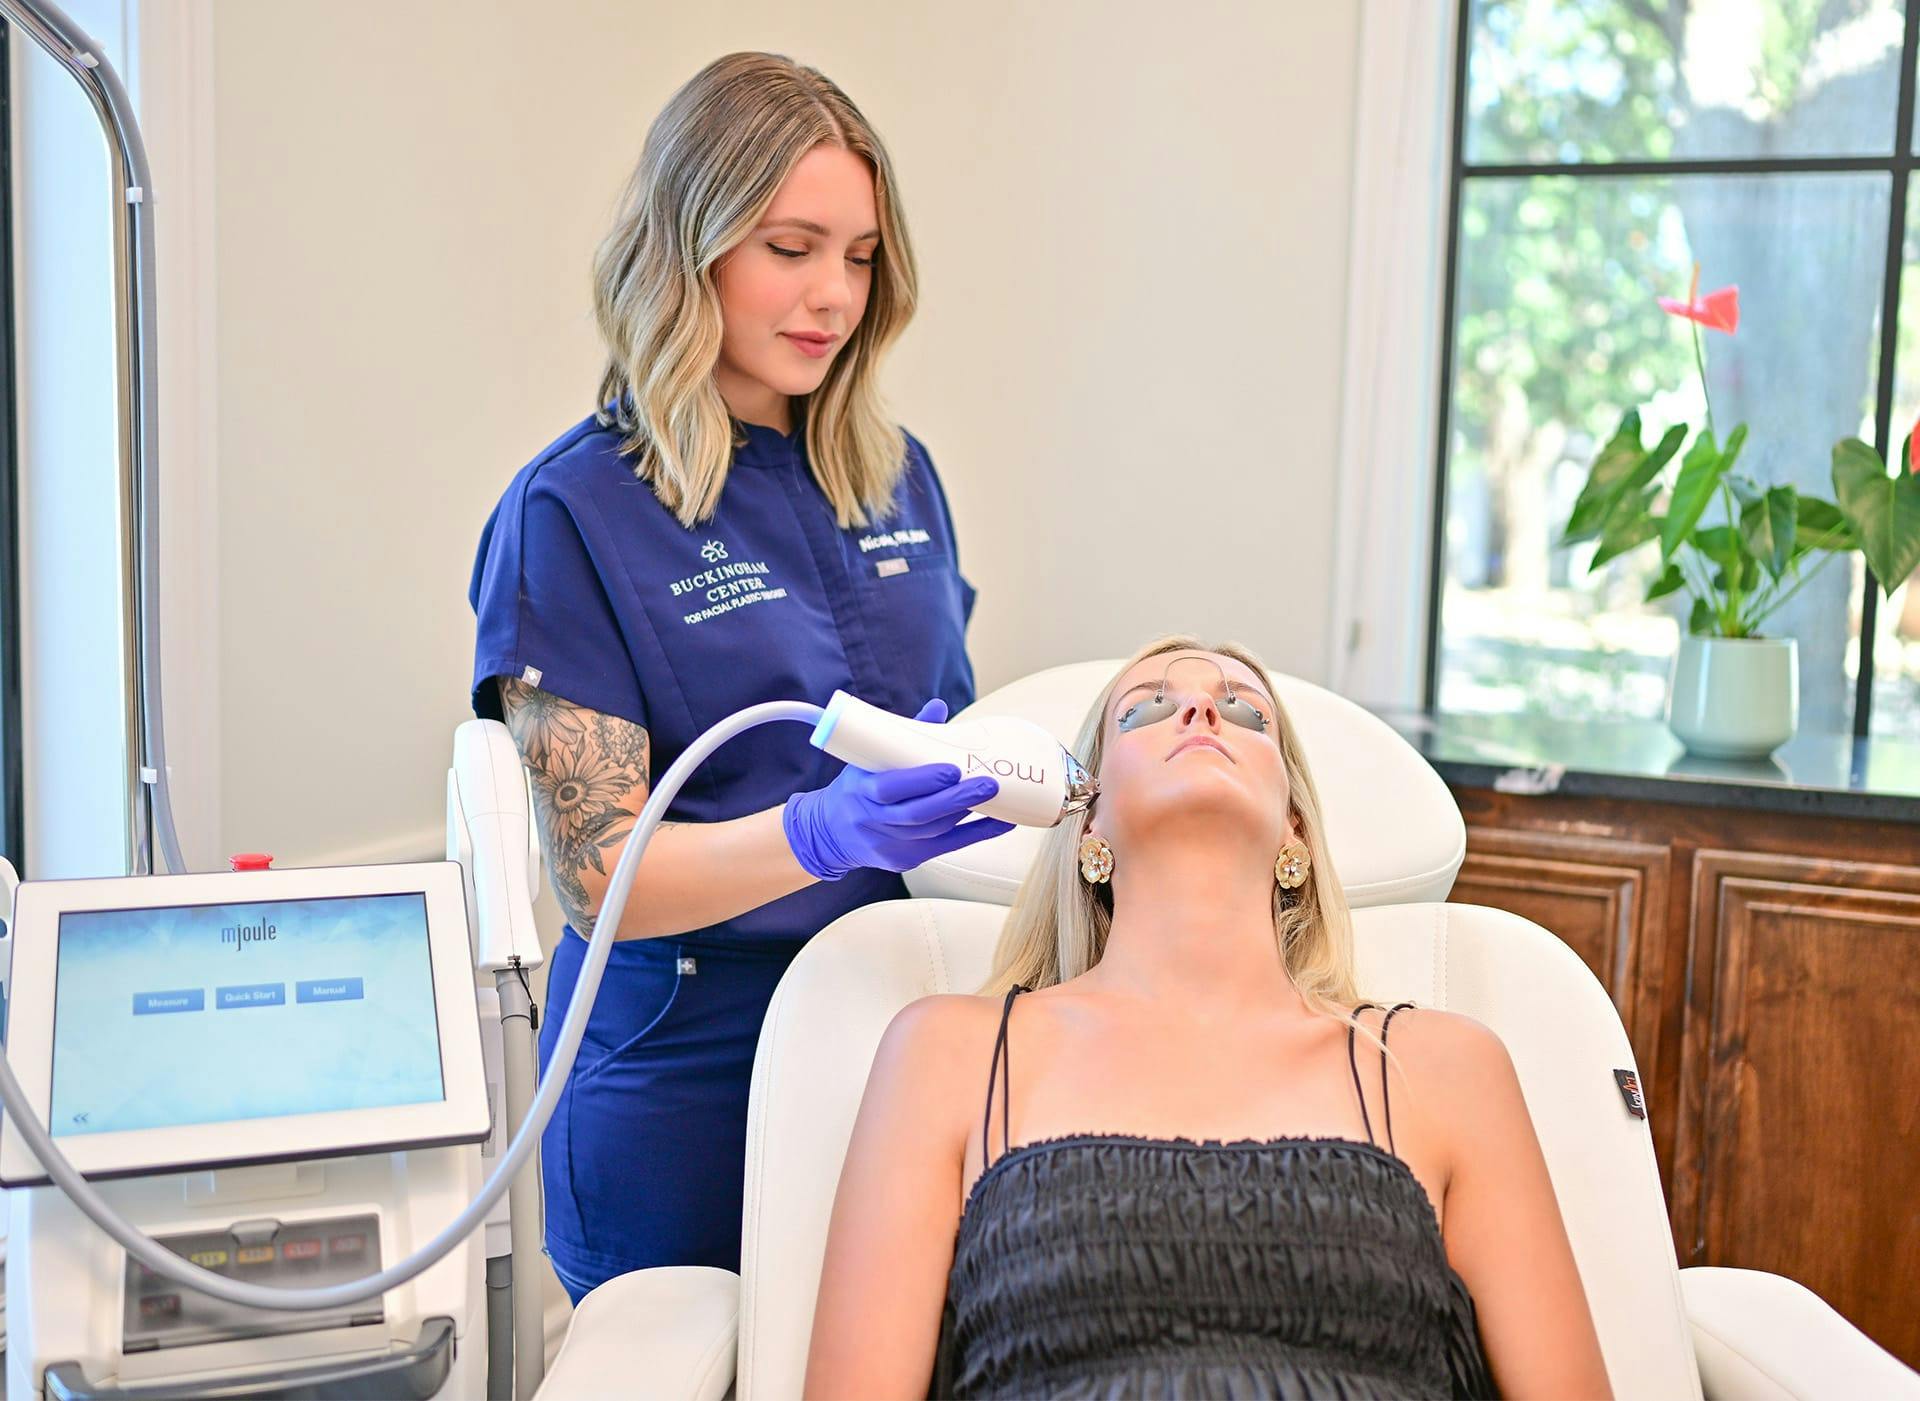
column 1233, row 706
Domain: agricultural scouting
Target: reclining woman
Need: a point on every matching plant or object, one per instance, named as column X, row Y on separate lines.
column 1204, row 1172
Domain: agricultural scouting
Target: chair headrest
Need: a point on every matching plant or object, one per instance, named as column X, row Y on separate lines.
column 1394, row 829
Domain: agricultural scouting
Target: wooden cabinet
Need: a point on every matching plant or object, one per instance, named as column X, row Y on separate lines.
column 1767, row 967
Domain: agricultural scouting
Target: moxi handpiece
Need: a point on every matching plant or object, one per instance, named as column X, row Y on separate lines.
column 1040, row 782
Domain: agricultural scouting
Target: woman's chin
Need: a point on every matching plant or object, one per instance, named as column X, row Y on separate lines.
column 1202, row 799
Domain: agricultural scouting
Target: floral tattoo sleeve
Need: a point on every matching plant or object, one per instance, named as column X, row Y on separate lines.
column 589, row 783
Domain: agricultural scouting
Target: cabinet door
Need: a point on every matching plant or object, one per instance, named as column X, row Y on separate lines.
column 1605, row 897
column 1800, row 1081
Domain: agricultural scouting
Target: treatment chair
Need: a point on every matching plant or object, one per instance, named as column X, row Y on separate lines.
column 1397, row 841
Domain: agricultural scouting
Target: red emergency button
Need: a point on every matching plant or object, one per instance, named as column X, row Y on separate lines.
column 250, row 861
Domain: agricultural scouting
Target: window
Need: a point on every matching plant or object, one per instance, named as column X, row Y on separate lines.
column 1599, row 151
column 12, row 790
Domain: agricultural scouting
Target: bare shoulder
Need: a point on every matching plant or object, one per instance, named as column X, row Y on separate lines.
column 1449, row 1039
column 1463, row 1086
column 939, row 1042
column 1449, row 1056
column 926, row 1068
column 936, row 1026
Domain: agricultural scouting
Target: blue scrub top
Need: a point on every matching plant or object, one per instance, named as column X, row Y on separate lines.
column 586, row 586
column 590, row 588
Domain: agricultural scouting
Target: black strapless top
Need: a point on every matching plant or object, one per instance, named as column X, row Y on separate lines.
column 1117, row 1266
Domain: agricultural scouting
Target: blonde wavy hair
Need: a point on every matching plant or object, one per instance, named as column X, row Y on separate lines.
column 713, row 160
column 1058, row 926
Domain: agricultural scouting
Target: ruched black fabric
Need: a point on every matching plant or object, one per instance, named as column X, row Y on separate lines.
column 1101, row 1265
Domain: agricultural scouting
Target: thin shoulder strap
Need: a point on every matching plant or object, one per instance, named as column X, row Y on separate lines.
column 1385, row 1101
column 1001, row 1052
column 1353, row 1064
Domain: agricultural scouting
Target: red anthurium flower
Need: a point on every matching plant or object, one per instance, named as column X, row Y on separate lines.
column 1913, row 451
column 1717, row 311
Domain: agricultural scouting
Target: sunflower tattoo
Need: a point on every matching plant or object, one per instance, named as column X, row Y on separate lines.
column 589, row 783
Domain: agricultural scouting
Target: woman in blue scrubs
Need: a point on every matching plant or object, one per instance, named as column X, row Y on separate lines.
column 739, row 522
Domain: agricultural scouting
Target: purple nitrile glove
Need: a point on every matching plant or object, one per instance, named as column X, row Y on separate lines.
column 892, row 821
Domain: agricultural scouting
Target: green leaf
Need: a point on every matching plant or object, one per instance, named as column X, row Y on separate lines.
column 1672, row 581
column 1621, row 471
column 1820, row 526
column 1728, row 549
column 1736, row 440
column 1745, row 490
column 1884, row 511
column 1699, row 475
column 1719, row 544
column 1623, row 467
column 1700, row 621
column 1636, row 494
column 1767, row 523
column 1611, row 466
column 1635, row 530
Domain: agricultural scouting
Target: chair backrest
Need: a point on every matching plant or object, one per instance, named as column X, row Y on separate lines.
column 1357, row 760
column 827, row 1017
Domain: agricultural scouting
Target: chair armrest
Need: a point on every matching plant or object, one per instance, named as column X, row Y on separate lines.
column 1758, row 1335
column 670, row 1331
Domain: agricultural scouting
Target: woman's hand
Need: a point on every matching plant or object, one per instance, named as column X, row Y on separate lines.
column 893, row 821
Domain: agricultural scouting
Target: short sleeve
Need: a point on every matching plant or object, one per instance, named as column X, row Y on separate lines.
column 542, row 609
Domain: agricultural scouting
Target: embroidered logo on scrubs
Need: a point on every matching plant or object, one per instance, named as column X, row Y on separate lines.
column 726, row 586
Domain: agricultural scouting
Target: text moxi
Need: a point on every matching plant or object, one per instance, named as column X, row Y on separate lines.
column 1007, row 768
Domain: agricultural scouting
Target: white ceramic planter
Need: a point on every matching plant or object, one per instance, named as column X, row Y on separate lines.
column 1734, row 697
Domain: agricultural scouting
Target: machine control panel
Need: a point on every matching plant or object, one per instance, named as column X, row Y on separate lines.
column 304, row 1254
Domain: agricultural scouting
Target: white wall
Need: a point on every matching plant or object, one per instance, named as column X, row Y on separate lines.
column 1132, row 227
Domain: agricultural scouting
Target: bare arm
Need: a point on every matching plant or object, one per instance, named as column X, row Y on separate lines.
column 1504, row 1233
column 590, row 781
column 890, row 1244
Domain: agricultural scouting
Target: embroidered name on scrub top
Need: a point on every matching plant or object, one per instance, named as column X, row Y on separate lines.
column 893, row 540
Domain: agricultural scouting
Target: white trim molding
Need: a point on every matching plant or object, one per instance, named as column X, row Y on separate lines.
column 1390, row 385
column 174, row 46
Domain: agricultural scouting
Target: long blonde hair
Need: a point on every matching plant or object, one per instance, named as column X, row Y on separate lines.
column 713, row 160
column 1058, row 926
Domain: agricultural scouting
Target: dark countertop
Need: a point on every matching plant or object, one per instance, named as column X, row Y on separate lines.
column 1829, row 774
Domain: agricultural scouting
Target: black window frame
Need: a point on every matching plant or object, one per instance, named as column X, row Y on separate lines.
column 1899, row 163
column 12, row 779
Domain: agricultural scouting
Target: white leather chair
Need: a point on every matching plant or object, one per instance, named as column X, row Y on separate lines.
column 1397, row 840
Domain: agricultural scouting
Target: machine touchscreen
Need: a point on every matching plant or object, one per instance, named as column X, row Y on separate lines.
column 202, row 1014
column 160, row 1023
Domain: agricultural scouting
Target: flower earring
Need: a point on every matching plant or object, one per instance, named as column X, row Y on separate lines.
column 1290, row 868
column 1096, row 860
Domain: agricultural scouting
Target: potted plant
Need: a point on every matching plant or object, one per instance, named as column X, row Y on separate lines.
column 1734, row 691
